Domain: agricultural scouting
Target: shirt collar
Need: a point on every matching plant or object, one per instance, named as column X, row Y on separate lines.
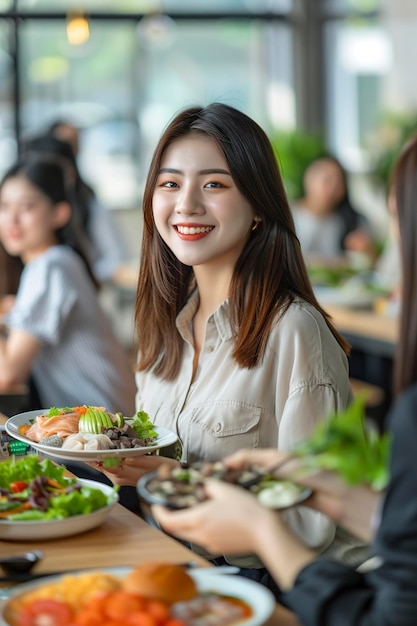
column 221, row 318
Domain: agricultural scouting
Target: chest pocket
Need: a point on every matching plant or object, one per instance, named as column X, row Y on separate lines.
column 217, row 429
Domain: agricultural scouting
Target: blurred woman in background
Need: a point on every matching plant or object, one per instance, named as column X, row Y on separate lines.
column 57, row 331
column 326, row 223
column 104, row 243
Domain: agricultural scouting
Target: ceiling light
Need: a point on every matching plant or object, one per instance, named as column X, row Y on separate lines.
column 78, row 29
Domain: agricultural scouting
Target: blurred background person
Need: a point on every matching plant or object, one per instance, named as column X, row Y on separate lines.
column 105, row 245
column 57, row 331
column 68, row 132
column 327, row 225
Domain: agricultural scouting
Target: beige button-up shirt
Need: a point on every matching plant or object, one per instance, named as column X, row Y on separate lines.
column 302, row 379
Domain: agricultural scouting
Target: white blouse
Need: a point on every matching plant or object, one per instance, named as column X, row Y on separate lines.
column 302, row 379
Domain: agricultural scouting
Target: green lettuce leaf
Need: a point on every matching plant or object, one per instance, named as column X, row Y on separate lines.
column 345, row 444
column 27, row 468
column 143, row 426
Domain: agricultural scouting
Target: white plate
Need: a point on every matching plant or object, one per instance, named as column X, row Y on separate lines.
column 39, row 530
column 165, row 438
column 259, row 598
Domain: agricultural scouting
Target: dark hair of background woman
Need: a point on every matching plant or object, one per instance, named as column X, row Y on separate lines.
column 404, row 186
column 270, row 272
column 50, row 147
column 49, row 178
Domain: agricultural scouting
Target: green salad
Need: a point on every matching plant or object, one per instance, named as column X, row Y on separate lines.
column 330, row 276
column 34, row 489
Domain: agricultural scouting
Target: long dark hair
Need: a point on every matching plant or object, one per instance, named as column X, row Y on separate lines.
column 404, row 187
column 55, row 149
column 49, row 178
column 269, row 273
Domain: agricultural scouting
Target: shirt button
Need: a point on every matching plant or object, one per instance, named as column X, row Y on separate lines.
column 218, row 427
column 209, row 349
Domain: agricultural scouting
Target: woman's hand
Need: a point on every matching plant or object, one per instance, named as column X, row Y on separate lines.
column 352, row 507
column 130, row 469
column 264, row 458
column 7, row 303
column 359, row 241
column 230, row 521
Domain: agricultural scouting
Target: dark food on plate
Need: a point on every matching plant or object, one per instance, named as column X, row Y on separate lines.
column 180, row 488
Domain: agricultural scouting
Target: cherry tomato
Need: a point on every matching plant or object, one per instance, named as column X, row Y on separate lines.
column 18, row 485
column 45, row 612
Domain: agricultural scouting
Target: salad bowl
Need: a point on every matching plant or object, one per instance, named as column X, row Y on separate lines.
column 38, row 501
column 43, row 530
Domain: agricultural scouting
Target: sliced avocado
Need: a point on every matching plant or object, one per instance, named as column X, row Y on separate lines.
column 119, row 421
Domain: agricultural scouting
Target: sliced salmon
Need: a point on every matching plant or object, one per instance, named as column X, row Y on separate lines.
column 61, row 425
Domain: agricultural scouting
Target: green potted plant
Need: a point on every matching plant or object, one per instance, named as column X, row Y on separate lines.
column 295, row 150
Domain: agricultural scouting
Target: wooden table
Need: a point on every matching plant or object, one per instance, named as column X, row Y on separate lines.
column 124, row 539
column 366, row 329
column 373, row 338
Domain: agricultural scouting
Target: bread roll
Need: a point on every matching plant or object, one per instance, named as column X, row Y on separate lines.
column 166, row 582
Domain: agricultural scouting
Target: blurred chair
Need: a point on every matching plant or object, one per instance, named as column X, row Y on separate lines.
column 16, row 399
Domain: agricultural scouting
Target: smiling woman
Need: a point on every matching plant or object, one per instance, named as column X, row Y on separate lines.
column 234, row 350
column 196, row 199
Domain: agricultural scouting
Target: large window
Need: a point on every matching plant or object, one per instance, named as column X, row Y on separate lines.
column 360, row 59
column 8, row 144
column 334, row 66
column 124, row 83
column 92, row 85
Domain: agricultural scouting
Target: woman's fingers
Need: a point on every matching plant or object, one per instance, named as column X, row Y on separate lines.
column 220, row 524
column 248, row 458
column 128, row 471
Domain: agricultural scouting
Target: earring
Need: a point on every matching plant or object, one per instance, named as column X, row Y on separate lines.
column 256, row 222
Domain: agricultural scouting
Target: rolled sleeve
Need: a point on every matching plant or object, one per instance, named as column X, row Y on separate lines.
column 43, row 305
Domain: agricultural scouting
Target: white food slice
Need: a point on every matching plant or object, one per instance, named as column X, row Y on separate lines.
column 97, row 442
column 74, row 442
column 279, row 495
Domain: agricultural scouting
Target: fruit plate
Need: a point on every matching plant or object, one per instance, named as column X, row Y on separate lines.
column 40, row 530
column 258, row 597
column 165, row 438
